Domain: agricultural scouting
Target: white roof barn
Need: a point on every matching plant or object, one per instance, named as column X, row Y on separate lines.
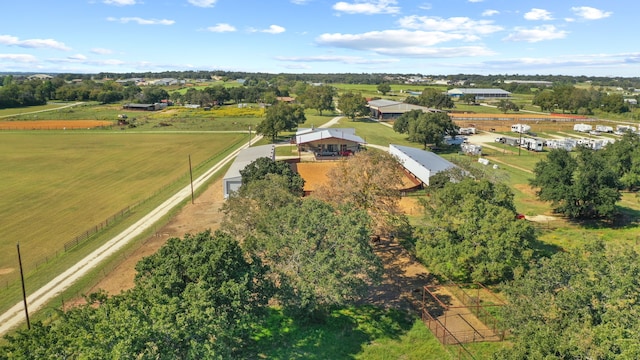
column 232, row 179
column 422, row 164
column 479, row 93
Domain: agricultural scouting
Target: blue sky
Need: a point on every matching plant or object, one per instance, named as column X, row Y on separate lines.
column 437, row 37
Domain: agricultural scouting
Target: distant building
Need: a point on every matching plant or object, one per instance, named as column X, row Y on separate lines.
column 386, row 110
column 480, row 94
column 39, row 77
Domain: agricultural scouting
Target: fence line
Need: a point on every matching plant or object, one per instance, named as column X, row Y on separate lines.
column 11, row 279
column 445, row 336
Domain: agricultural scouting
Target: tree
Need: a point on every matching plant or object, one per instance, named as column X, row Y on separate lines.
column 546, row 100
column 218, row 93
column 353, row 105
column 318, row 256
column 259, row 169
column 507, row 105
column 581, row 188
column 426, row 127
column 384, row 88
column 368, row 181
column 624, row 157
column 199, row 297
column 153, row 94
column 434, row 98
column 471, row 233
column 281, row 117
column 580, row 303
column 319, row 98
column 469, row 98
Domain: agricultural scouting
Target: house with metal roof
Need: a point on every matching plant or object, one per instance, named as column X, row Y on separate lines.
column 232, row 179
column 328, row 141
column 480, row 94
column 387, row 110
column 421, row 164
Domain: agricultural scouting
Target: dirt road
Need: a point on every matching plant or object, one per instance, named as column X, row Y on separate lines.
column 39, row 298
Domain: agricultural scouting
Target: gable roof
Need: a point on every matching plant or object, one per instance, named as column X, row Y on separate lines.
column 382, row 102
column 328, row 133
column 420, row 161
column 247, row 156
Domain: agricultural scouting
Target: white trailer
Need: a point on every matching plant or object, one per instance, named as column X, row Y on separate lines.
column 582, row 127
column 467, row 131
column 520, row 128
column 532, row 144
column 604, row 128
column 471, row 149
column 621, row 129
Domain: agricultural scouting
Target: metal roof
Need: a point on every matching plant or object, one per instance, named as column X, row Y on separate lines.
column 402, row 108
column 328, row 133
column 478, row 91
column 247, row 156
column 426, row 159
column 382, row 102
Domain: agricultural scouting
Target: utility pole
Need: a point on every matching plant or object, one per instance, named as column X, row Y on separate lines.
column 24, row 292
column 191, row 176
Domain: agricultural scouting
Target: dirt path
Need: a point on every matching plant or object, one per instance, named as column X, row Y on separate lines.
column 42, row 296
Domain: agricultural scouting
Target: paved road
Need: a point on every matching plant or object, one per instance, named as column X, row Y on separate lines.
column 39, row 298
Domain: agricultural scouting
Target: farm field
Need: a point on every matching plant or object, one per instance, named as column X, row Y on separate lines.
column 56, row 185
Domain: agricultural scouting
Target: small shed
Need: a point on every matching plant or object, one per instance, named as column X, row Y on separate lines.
column 421, row 164
column 232, row 179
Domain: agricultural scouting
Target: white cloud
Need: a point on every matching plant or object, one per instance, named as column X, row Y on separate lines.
column 299, row 2
column 573, row 61
column 141, row 21
column 403, row 43
column 120, row 2
column 273, row 29
column 463, row 25
column 475, row 1
column 425, row 6
column 77, row 57
column 101, row 51
column 536, row 34
column 203, row 3
column 22, row 58
column 33, row 43
column 589, row 13
column 538, row 14
column 368, row 7
column 490, row 12
column 220, row 28
column 336, row 58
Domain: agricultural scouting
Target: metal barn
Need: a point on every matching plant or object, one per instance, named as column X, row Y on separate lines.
column 422, row 164
column 232, row 179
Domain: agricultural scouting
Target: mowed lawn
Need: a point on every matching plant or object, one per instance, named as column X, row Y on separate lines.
column 55, row 185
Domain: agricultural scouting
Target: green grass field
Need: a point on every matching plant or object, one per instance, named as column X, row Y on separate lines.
column 16, row 111
column 56, row 185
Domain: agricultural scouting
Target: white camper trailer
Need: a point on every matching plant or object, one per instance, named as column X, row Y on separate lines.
column 520, row 128
column 582, row 127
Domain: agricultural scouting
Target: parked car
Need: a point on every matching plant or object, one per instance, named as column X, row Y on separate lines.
column 346, row 153
column 325, row 153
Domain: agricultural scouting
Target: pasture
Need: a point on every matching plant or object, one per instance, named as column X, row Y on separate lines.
column 56, row 185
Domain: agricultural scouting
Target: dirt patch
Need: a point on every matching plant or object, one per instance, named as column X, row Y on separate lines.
column 53, row 124
column 525, row 189
column 6, row 271
column 192, row 218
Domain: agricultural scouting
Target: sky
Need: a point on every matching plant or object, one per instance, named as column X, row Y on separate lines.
column 437, row 37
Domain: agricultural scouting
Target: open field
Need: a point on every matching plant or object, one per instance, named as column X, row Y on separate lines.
column 56, row 185
column 31, row 109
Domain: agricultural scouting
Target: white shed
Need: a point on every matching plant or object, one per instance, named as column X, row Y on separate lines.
column 422, row 164
column 232, row 179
